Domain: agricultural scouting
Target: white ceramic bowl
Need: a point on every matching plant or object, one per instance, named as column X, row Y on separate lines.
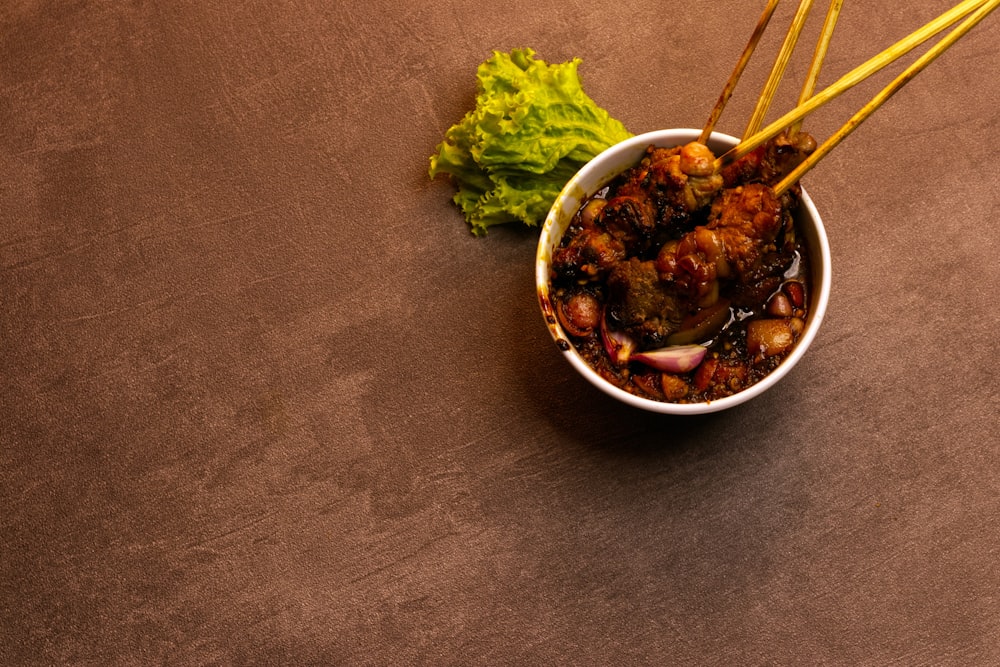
column 594, row 176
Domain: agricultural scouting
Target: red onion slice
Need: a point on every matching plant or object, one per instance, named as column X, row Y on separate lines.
column 617, row 344
column 672, row 359
column 706, row 324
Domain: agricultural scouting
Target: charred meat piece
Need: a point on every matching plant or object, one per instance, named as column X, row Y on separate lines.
column 588, row 255
column 682, row 181
column 770, row 162
column 640, row 304
column 677, row 182
column 741, row 228
column 631, row 220
column 746, row 219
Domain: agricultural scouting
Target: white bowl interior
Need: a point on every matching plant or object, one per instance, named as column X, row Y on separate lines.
column 599, row 172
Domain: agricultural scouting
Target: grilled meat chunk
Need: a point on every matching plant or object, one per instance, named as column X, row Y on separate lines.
column 640, row 304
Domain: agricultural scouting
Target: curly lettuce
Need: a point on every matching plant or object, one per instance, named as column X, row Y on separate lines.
column 533, row 127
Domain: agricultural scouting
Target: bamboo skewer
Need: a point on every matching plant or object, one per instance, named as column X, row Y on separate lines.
column 982, row 12
column 809, row 86
column 737, row 72
column 852, row 78
column 778, row 70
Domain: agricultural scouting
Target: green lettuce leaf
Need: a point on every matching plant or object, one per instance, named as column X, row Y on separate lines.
column 532, row 128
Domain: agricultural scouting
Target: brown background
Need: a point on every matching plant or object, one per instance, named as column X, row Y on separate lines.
column 264, row 399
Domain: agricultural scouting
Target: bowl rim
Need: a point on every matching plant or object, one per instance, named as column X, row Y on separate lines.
column 601, row 170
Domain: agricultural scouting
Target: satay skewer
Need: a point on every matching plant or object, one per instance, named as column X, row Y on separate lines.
column 778, row 69
column 982, row 12
column 737, row 72
column 851, row 79
column 819, row 55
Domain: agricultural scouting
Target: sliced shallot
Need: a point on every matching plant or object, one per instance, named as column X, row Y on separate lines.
column 672, row 359
column 706, row 324
column 618, row 345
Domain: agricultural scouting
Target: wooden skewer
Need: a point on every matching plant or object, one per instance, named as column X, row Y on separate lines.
column 737, row 72
column 778, row 70
column 885, row 94
column 809, row 86
column 852, row 78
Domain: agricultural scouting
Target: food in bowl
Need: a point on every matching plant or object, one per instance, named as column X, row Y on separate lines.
column 670, row 281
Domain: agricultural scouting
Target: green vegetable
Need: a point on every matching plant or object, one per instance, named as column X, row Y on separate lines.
column 532, row 129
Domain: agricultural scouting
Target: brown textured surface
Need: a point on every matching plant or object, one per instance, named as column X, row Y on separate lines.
column 264, row 400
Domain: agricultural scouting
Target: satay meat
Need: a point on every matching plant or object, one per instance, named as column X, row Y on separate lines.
column 770, row 162
column 742, row 225
column 641, row 304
